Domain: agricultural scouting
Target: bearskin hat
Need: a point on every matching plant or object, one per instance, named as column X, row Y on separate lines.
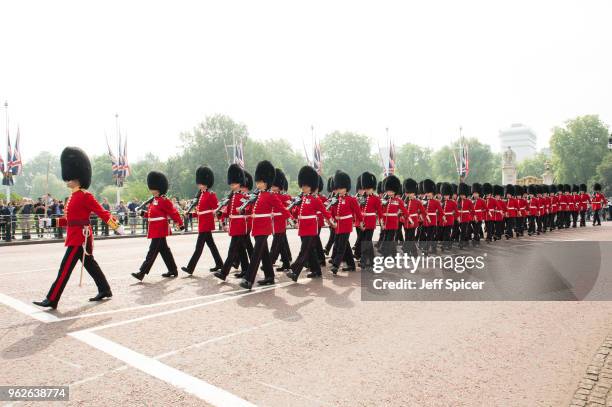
column 438, row 186
column 487, row 189
column 583, row 188
column 560, row 188
column 545, row 189
column 552, row 188
column 477, row 188
column 330, row 184
column 531, row 189
column 509, row 190
column 575, row 188
column 567, row 188
column 446, row 189
column 248, row 181
column 157, row 181
column 455, row 188
column 285, row 184
column 393, row 183
column 205, row 176
column 320, row 186
column 379, row 187
column 308, row 176
column 342, row 180
column 498, row 190
column 235, row 175
column 76, row 165
column 517, row 190
column 265, row 172
column 279, row 179
column 428, row 186
column 597, row 187
column 464, row 189
column 410, row 186
column 358, row 183
column 368, row 180
column 420, row 188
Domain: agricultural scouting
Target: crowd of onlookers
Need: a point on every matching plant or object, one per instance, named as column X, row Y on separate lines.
column 20, row 219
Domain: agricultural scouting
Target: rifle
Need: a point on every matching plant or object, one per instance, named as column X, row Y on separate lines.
column 385, row 199
column 224, row 202
column 333, row 200
column 144, row 204
column 251, row 199
column 296, row 201
column 194, row 202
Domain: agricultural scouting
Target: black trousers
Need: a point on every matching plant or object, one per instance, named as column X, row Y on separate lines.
column 236, row 253
column 510, row 227
column 330, row 240
column 431, row 236
column 477, row 231
column 455, row 232
column 539, row 224
column 158, row 245
column 490, row 226
column 532, row 225
column 465, row 232
column 261, row 254
column 204, row 238
column 583, row 218
column 248, row 244
column 446, row 238
column 410, row 246
column 596, row 218
column 389, row 239
column 319, row 248
column 519, row 223
column 280, row 245
column 399, row 236
column 72, row 256
column 499, row 228
column 357, row 245
column 574, row 219
column 342, row 251
column 367, row 248
column 308, row 253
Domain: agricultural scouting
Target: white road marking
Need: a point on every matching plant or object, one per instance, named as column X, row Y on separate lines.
column 27, row 309
column 174, row 311
column 199, row 388
column 319, row 402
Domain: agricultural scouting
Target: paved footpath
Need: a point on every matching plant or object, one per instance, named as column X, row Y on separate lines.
column 198, row 341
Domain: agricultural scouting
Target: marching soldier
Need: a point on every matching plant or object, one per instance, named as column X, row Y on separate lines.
column 533, row 208
column 360, row 201
column 554, row 207
column 491, row 203
column 585, row 200
column 415, row 212
column 392, row 207
column 235, row 224
column 76, row 172
column 434, row 209
column 597, row 203
column 521, row 203
column 511, row 205
column 246, row 188
column 263, row 205
column 331, row 192
column 306, row 211
column 575, row 204
column 498, row 191
column 207, row 203
column 319, row 245
column 160, row 209
column 346, row 211
column 465, row 209
column 370, row 210
column 280, row 245
column 480, row 212
column 449, row 212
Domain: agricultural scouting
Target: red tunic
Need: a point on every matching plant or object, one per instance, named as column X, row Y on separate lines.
column 280, row 220
column 76, row 217
column 345, row 212
column 598, row 201
column 370, row 211
column 237, row 221
column 267, row 202
column 534, row 206
column 585, row 199
column 323, row 199
column 206, row 206
column 491, row 208
column 554, row 204
column 501, row 209
column 158, row 213
column 480, row 209
column 433, row 208
column 390, row 212
column 523, row 208
column 307, row 214
column 449, row 213
column 415, row 212
column 512, row 207
column 465, row 209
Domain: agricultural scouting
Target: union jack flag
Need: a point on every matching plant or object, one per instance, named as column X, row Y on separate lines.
column 239, row 155
column 15, row 165
column 317, row 163
column 125, row 170
column 391, row 166
column 462, row 160
column 113, row 159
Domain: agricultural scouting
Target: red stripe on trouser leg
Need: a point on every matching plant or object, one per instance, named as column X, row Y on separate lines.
column 64, row 273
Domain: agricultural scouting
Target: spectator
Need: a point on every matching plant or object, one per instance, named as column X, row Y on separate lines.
column 39, row 213
column 5, row 222
column 24, row 213
column 132, row 215
column 122, row 212
column 107, row 207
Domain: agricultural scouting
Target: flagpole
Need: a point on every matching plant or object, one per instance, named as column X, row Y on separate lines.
column 8, row 184
column 461, row 177
column 118, row 160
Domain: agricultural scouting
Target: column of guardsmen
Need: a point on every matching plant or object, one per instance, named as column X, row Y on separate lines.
column 420, row 217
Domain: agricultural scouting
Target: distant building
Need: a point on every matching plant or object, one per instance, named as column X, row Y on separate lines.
column 521, row 139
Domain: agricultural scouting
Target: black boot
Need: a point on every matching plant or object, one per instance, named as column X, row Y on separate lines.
column 45, row 303
column 292, row 275
column 266, row 281
column 240, row 275
column 139, row 276
column 101, row 296
column 284, row 267
column 334, row 269
column 186, row 270
column 348, row 268
column 314, row 275
column 216, row 268
column 246, row 284
column 170, row 274
column 219, row 275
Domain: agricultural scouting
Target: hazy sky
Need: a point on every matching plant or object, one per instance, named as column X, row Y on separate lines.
column 422, row 68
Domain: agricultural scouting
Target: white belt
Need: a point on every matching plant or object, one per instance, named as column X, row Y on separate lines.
column 276, row 214
column 390, row 214
column 413, row 214
column 449, row 213
column 205, row 212
column 261, row 215
column 237, row 216
column 479, row 210
column 307, row 217
column 369, row 214
column 431, row 213
column 464, row 211
column 344, row 217
column 156, row 219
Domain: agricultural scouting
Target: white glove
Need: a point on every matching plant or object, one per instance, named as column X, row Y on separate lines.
column 120, row 230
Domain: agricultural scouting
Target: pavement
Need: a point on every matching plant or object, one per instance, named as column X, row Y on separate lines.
column 195, row 340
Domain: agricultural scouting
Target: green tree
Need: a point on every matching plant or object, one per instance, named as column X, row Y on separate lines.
column 578, row 148
column 533, row 166
column 603, row 175
column 349, row 152
column 414, row 162
column 484, row 165
column 101, row 173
